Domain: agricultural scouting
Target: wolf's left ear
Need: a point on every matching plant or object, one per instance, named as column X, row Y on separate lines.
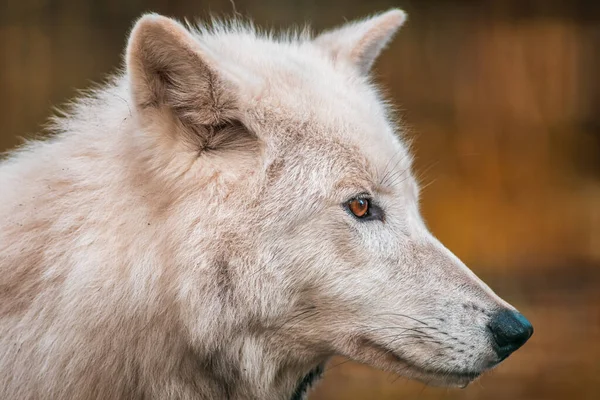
column 171, row 74
column 361, row 42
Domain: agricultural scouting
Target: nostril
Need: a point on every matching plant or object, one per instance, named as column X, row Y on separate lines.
column 510, row 330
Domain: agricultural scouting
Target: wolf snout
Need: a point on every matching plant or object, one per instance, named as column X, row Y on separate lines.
column 510, row 330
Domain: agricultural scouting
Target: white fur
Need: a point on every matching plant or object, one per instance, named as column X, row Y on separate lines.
column 183, row 233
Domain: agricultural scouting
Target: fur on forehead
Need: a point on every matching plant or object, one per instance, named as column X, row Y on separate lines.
column 324, row 75
column 232, row 71
column 322, row 79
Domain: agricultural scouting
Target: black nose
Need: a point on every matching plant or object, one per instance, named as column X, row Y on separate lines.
column 510, row 330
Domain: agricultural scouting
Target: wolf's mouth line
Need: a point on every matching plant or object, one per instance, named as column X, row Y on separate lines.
column 384, row 351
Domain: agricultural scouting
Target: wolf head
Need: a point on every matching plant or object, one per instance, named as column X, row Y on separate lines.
column 287, row 198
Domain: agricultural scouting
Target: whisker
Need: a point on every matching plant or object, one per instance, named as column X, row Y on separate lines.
column 393, row 172
column 386, row 172
column 338, row 364
column 405, row 316
column 423, row 187
column 393, row 178
column 421, row 174
column 416, row 339
column 393, row 327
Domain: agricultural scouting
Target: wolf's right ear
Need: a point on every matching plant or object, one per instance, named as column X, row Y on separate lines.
column 360, row 42
column 168, row 71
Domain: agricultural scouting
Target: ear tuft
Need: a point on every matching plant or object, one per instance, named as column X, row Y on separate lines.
column 362, row 41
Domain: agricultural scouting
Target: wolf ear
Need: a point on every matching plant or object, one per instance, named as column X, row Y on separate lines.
column 168, row 71
column 361, row 42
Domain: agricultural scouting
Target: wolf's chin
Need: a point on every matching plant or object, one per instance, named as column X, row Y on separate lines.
column 449, row 379
column 378, row 356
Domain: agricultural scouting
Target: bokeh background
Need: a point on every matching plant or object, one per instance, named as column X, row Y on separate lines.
column 502, row 101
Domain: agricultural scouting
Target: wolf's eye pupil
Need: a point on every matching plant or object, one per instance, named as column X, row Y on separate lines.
column 359, row 207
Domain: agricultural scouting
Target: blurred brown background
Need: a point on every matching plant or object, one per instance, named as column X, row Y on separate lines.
column 501, row 98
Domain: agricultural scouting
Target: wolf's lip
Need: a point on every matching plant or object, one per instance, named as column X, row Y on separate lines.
column 434, row 377
column 460, row 378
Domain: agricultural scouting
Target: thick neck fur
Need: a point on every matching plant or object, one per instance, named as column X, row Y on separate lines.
column 146, row 325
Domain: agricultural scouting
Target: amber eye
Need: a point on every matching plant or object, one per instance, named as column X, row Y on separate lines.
column 359, row 207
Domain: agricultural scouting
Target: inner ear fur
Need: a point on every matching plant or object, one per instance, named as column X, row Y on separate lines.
column 168, row 71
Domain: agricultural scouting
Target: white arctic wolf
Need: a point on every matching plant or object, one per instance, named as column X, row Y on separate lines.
column 223, row 217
